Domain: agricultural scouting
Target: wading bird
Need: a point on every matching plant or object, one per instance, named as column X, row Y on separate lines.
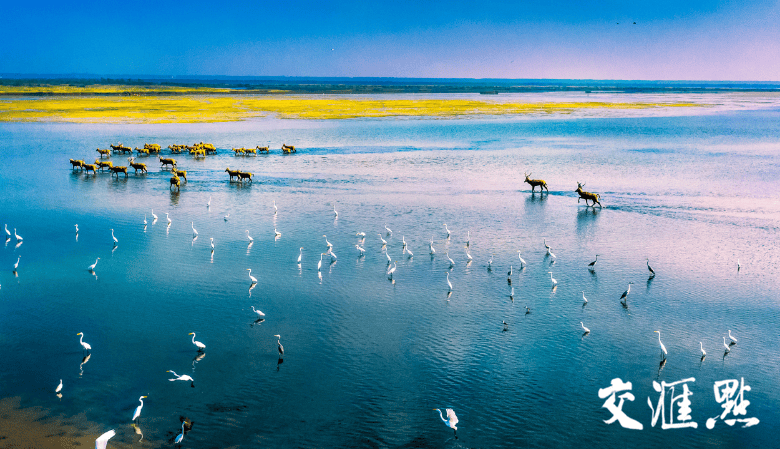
column 449, row 284
column 447, row 229
column 359, row 248
column 490, row 261
column 587, row 331
column 451, row 420
column 300, row 254
column 138, row 409
column 208, row 205
column 452, row 262
column 624, row 296
column 92, row 267
column 327, row 243
column 102, row 440
column 725, row 345
column 212, row 243
column 259, row 313
column 392, row 270
column 738, row 265
column 249, row 236
column 180, row 436
column 279, row 346
column 384, row 242
column 389, row 231
column 319, row 264
column 583, row 296
column 663, row 348
column 410, row 253
column 336, row 214
column 18, row 237
column 522, row 261
column 403, row 241
column 197, row 344
column 195, row 231
column 168, row 218
column 16, row 265
column 592, row 265
column 468, row 256
column 509, row 273
column 86, row 346
column 59, row 387
column 552, row 279
column 277, row 234
column 153, row 215
column 433, row 251
column 7, row 232
column 77, row 229
column 468, row 238
column 546, row 245
column 360, row 234
column 703, row 352
column 252, row 278
column 650, row 269
column 733, row 340
column 182, row 377
column 113, row 237
column 332, row 256
column 145, row 220
column 276, row 209
column 226, row 217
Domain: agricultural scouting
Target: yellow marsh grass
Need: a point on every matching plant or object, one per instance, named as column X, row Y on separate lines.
column 226, row 108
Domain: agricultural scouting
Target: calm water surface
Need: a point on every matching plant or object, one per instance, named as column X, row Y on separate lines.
column 367, row 359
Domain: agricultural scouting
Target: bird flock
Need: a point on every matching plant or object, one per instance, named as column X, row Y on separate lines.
column 451, row 419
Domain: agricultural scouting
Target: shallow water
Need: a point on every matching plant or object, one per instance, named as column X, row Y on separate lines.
column 367, row 359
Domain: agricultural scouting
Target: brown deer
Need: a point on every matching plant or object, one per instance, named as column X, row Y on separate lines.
column 242, row 175
column 536, row 182
column 117, row 169
column 287, row 149
column 102, row 153
column 175, row 181
column 101, row 165
column 90, row 167
column 138, row 166
column 76, row 163
column 167, row 161
column 181, row 173
column 152, row 147
column 262, row 149
column 141, row 151
column 587, row 196
column 232, row 173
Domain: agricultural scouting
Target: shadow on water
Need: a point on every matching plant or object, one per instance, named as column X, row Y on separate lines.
column 535, row 198
column 586, row 216
column 175, row 198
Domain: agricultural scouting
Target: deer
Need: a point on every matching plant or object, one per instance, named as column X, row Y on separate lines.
column 89, row 167
column 101, row 165
column 262, row 149
column 117, row 169
column 76, row 163
column 167, row 161
column 587, row 196
column 102, row 153
column 175, row 181
column 232, row 173
column 287, row 149
column 239, row 151
column 536, row 182
column 138, row 166
column 181, row 173
column 242, row 175
column 141, row 151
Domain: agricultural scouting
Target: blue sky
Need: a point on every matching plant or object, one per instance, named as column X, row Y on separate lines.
column 693, row 40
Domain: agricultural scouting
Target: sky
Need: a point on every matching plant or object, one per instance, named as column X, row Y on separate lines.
column 562, row 39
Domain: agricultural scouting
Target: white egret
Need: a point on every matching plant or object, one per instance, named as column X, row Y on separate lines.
column 509, row 273
column 86, row 346
column 738, row 265
column 145, row 220
column 725, row 345
column 392, row 270
column 327, row 243
column 360, row 234
column 433, row 251
column 512, row 293
column 249, row 236
column 197, row 344
column 663, row 348
column 449, row 284
column 300, row 254
column 592, row 265
column 114, row 237
column 153, row 215
column 92, row 267
column 733, row 340
column 335, row 213
column 546, row 245
column 212, row 243
column 451, row 420
column 359, row 248
column 333, row 256
column 7, row 232
column 16, row 265
column 403, row 240
column 259, row 313
column 138, row 409
column 209, row 203
column 552, row 279
column 411, row 254
column 490, row 261
column 625, row 294
column 254, row 281
column 102, row 440
column 194, row 231
column 447, row 229
column 319, row 264
column 703, row 352
column 452, row 262
column 587, row 331
column 279, row 348
column 18, row 237
column 389, row 260
column 168, row 218
column 583, row 296
column 468, row 256
column 649, row 268
column 276, row 209
column 77, row 229
column 226, row 217
column 384, row 242
column 182, row 377
column 59, row 387
column 468, row 238
column 180, row 436
column 277, row 234
column 389, row 231
column 522, row 261
column 550, row 253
